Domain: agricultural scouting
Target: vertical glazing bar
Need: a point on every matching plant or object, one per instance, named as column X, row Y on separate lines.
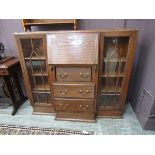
column 117, row 76
column 107, row 76
column 31, row 64
column 41, row 67
column 42, row 73
column 43, row 80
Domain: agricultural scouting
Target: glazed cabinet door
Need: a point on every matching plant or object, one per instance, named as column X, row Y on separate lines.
column 116, row 57
column 33, row 58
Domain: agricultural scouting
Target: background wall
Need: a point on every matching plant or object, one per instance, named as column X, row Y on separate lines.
column 142, row 73
column 9, row 26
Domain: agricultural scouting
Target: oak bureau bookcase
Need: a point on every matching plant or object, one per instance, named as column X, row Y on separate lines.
column 77, row 75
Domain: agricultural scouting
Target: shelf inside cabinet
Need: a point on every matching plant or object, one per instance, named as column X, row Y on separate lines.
column 36, row 58
column 41, row 91
column 111, row 90
column 37, row 73
column 110, row 93
column 113, row 75
column 123, row 59
column 42, row 87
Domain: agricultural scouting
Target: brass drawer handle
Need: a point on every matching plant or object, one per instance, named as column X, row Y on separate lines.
column 64, row 107
column 63, row 93
column 84, row 92
column 84, row 76
column 62, row 76
column 84, row 108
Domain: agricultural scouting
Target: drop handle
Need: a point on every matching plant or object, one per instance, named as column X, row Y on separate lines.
column 63, row 93
column 84, row 108
column 65, row 107
column 62, row 76
column 83, row 92
column 84, row 76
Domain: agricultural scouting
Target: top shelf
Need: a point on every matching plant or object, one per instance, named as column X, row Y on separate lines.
column 27, row 23
column 47, row 23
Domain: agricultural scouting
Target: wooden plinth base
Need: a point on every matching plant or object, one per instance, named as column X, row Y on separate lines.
column 109, row 114
column 75, row 117
column 43, row 110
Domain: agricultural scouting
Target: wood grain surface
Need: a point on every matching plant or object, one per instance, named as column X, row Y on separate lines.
column 72, row 48
column 75, row 74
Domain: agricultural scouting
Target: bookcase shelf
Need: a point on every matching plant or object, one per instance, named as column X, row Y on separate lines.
column 113, row 75
column 36, row 58
column 123, row 59
column 111, row 90
column 37, row 73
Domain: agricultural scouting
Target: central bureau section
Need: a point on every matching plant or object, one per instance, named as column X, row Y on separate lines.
column 73, row 65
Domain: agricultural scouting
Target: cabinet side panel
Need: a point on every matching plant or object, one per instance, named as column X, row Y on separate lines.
column 130, row 59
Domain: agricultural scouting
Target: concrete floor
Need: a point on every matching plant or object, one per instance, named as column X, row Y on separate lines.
column 128, row 125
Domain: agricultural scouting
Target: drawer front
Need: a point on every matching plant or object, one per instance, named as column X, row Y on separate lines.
column 74, row 90
column 73, row 74
column 3, row 72
column 74, row 105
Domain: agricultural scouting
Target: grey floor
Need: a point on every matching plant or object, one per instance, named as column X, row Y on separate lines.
column 128, row 125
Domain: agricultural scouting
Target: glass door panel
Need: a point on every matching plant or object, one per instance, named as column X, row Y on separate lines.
column 32, row 48
column 42, row 98
column 35, row 61
column 113, row 68
column 38, row 66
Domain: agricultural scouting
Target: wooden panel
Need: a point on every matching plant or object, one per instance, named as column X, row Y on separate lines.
column 74, row 105
column 74, row 90
column 109, row 113
column 44, row 110
column 129, row 64
column 73, row 74
column 72, row 48
column 3, row 72
column 75, row 116
column 9, row 62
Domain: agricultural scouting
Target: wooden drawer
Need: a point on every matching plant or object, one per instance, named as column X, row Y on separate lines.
column 73, row 74
column 74, row 90
column 3, row 72
column 74, row 105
